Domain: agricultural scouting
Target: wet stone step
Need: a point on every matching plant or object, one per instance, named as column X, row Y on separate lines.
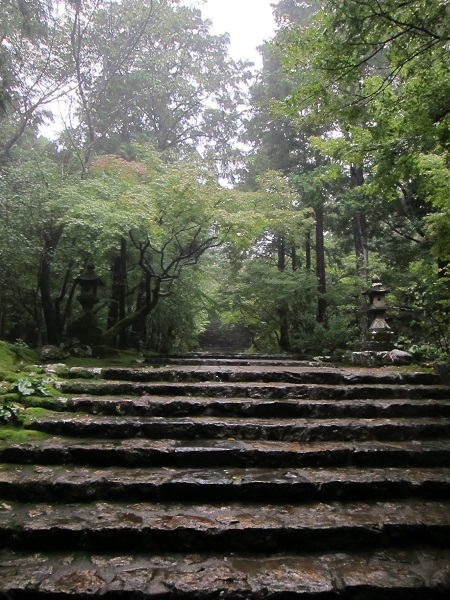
column 228, row 452
column 254, row 407
column 256, row 390
column 71, row 484
column 258, row 528
column 419, row 574
column 295, row 430
column 235, row 362
column 272, row 374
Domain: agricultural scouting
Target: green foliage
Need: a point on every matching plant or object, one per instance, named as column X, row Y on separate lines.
column 10, row 412
column 13, row 358
column 32, row 385
column 356, row 125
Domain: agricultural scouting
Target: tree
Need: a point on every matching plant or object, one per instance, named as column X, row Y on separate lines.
column 34, row 70
column 282, row 144
column 167, row 210
column 379, row 72
column 150, row 71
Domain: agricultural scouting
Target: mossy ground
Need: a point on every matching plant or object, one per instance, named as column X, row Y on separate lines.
column 13, row 358
column 20, row 363
column 18, row 435
column 124, row 358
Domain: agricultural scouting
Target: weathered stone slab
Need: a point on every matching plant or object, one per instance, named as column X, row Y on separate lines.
column 234, row 527
column 399, row 574
column 295, row 430
column 179, row 406
column 273, row 390
column 262, row 374
column 75, row 484
column 228, row 452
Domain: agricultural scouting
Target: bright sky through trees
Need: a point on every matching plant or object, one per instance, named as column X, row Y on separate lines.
column 249, row 23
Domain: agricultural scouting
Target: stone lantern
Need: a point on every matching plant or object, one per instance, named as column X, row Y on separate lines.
column 85, row 329
column 89, row 282
column 380, row 336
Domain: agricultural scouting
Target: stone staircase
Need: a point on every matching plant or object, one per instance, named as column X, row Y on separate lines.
column 231, row 478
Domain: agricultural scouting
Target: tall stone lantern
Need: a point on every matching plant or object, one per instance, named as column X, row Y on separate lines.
column 85, row 328
column 379, row 336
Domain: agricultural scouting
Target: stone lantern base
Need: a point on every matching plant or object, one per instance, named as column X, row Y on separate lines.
column 373, row 358
column 380, row 340
column 86, row 330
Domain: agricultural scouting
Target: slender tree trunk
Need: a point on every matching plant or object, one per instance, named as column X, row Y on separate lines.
column 139, row 330
column 320, row 267
column 117, row 308
column 51, row 316
column 359, row 224
column 294, row 258
column 282, row 308
column 308, row 250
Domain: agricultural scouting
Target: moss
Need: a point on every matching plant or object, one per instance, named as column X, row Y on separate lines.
column 14, row 357
column 125, row 359
column 18, row 435
column 35, row 412
column 52, row 402
column 10, row 397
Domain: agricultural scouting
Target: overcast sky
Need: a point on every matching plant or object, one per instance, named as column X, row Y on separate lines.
column 249, row 23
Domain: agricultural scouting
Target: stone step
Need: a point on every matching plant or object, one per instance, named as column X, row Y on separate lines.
column 261, row 374
column 397, row 574
column 242, row 479
column 62, row 484
column 274, row 390
column 283, row 430
column 145, row 527
column 200, row 453
column 179, row 406
column 236, row 362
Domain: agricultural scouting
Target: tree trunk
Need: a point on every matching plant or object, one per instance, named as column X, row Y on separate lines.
column 151, row 300
column 320, row 267
column 139, row 329
column 308, row 250
column 117, row 307
column 52, row 318
column 359, row 224
column 283, row 308
column 294, row 258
